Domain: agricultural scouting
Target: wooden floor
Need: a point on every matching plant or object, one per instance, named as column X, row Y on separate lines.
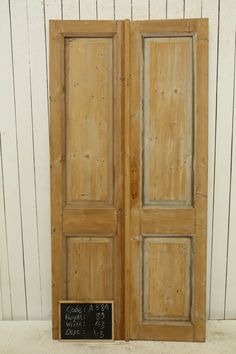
column 34, row 337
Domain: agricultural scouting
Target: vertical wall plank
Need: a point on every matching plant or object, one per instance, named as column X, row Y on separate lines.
column 26, row 156
column 222, row 163
column 122, row 9
column 52, row 11
column 5, row 292
column 158, row 9
column 175, row 8
column 41, row 146
column 70, row 9
column 10, row 169
column 1, row 317
column 230, row 308
column 88, row 9
column 210, row 9
column 193, row 8
column 105, row 9
column 140, row 9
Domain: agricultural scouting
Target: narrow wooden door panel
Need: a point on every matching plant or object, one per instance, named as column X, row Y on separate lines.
column 89, row 120
column 167, row 120
column 87, row 164
column 168, row 186
column 89, row 268
column 167, row 276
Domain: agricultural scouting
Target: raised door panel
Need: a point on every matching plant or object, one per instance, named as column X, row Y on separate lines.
column 168, row 120
column 87, row 164
column 89, row 268
column 89, row 120
column 167, row 276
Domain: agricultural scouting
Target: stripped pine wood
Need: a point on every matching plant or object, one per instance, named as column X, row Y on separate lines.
column 11, row 172
column 89, row 220
column 161, row 221
column 26, row 149
column 158, row 9
column 5, row 291
column 222, row 162
column 57, row 110
column 140, row 9
column 41, row 146
column 159, row 255
column 89, row 172
column 210, row 9
column 80, row 209
column 164, row 89
column 13, row 286
column 201, row 174
column 126, row 114
column 140, row 326
column 89, row 264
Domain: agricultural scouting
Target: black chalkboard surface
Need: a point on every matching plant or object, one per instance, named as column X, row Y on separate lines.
column 86, row 320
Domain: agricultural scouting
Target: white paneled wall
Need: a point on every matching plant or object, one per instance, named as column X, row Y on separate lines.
column 25, row 265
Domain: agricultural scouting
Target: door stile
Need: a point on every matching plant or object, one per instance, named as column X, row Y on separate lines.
column 126, row 56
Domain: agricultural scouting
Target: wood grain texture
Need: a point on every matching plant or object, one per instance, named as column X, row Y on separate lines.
column 168, row 121
column 166, row 278
column 154, row 219
column 201, row 174
column 220, row 53
column 89, row 161
column 126, row 113
column 167, row 220
column 90, row 220
column 89, row 113
column 57, row 112
column 90, row 268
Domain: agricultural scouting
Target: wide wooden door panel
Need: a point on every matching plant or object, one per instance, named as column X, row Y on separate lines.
column 129, row 172
column 87, row 164
column 168, row 180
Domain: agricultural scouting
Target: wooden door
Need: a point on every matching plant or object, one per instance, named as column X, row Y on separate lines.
column 87, row 164
column 166, row 229
column 129, row 172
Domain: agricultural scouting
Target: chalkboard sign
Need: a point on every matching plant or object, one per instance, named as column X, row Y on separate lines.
column 86, row 320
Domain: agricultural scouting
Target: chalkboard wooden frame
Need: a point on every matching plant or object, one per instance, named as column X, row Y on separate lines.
column 86, row 302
